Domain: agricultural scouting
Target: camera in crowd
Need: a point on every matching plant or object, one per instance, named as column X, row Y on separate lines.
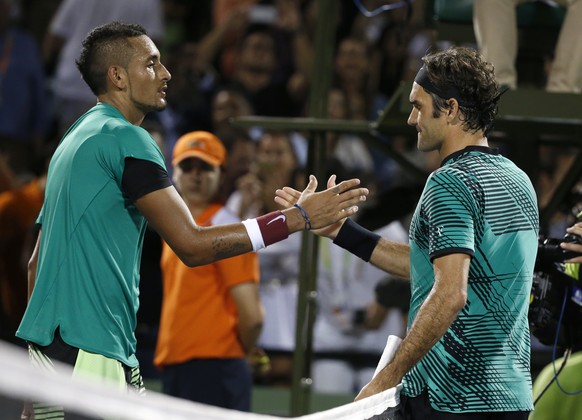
column 555, row 311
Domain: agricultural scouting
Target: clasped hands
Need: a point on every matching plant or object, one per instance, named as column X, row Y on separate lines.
column 327, row 209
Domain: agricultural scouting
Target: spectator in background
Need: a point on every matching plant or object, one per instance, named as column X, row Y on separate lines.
column 255, row 70
column 212, row 314
column 194, row 82
column 276, row 165
column 242, row 151
column 348, row 149
column 73, row 20
column 495, row 24
column 23, row 100
column 19, row 207
column 263, row 59
column 229, row 22
column 393, row 47
column 352, row 72
column 230, row 101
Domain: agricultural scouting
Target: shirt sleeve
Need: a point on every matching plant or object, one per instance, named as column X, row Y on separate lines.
column 141, row 177
column 451, row 210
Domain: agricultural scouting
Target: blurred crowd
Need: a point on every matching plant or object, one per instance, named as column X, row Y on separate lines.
column 230, row 58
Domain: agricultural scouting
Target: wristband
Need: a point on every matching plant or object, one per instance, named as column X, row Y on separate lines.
column 304, row 215
column 267, row 229
column 356, row 239
column 254, row 233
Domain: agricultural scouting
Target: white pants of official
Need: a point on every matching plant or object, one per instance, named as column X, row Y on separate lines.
column 495, row 25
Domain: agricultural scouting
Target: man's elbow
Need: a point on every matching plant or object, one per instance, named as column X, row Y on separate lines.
column 194, row 260
column 458, row 301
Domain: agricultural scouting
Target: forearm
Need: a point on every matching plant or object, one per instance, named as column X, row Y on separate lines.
column 392, row 257
column 432, row 321
column 170, row 217
column 436, row 314
column 389, row 256
column 196, row 245
column 250, row 314
column 248, row 335
column 209, row 45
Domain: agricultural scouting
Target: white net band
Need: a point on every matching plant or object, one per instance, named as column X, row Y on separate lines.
column 20, row 381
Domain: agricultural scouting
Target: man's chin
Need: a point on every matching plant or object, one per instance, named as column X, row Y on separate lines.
column 159, row 107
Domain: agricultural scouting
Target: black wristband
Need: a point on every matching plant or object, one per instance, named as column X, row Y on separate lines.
column 356, row 239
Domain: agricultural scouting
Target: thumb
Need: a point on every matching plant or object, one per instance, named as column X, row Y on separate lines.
column 331, row 181
column 312, row 184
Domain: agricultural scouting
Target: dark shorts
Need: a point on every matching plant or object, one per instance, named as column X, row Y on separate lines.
column 419, row 408
column 223, row 383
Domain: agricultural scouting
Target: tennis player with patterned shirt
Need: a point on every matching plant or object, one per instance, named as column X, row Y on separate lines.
column 473, row 244
column 106, row 180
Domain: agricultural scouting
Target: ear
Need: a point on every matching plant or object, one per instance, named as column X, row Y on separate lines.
column 117, row 76
column 453, row 110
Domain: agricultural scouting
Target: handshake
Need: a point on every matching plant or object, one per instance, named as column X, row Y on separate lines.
column 324, row 211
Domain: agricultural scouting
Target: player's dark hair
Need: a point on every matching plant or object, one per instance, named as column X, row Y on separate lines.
column 103, row 47
column 473, row 77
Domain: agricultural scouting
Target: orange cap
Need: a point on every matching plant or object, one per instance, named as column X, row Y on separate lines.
column 202, row 145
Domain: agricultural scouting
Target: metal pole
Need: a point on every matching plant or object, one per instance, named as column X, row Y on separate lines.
column 306, row 302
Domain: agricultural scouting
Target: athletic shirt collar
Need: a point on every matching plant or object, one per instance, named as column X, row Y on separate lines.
column 458, row 153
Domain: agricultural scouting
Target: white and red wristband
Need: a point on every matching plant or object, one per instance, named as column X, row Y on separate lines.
column 267, row 229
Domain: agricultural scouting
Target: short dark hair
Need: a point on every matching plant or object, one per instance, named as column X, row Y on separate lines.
column 473, row 77
column 104, row 46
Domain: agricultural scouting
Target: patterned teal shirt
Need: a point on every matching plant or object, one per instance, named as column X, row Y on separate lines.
column 478, row 203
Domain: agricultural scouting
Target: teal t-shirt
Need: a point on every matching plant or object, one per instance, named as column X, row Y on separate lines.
column 87, row 275
column 481, row 204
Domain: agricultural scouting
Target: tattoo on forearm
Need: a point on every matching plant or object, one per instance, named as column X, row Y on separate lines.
column 223, row 248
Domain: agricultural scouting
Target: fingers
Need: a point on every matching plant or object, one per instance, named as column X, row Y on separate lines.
column 575, row 229
column 350, row 211
column 571, row 247
column 352, row 197
column 344, row 185
column 312, row 184
column 286, row 196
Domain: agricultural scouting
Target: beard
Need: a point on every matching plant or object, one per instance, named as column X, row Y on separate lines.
column 153, row 106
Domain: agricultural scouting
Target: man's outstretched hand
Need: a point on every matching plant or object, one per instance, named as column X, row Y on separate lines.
column 327, row 209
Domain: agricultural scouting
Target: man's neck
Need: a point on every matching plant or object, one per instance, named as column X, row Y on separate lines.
column 462, row 141
column 131, row 114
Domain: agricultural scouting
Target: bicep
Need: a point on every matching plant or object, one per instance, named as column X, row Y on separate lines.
column 167, row 213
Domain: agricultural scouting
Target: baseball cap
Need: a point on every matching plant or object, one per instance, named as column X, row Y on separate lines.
column 202, row 145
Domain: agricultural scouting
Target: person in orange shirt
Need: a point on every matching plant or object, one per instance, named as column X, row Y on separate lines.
column 212, row 314
column 19, row 207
